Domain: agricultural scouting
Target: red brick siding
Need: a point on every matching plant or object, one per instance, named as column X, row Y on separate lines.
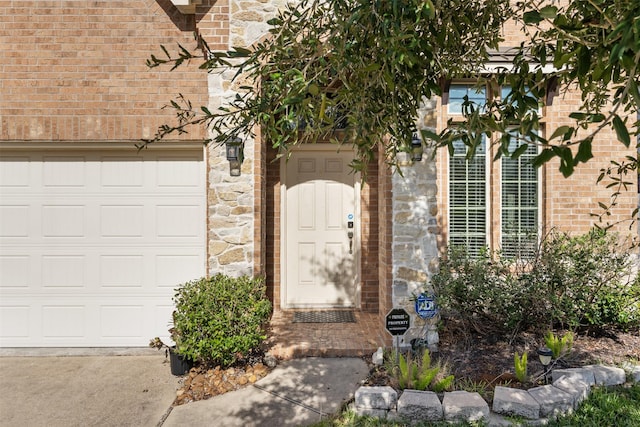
column 75, row 70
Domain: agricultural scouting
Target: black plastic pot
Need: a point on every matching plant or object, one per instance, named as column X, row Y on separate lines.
column 179, row 364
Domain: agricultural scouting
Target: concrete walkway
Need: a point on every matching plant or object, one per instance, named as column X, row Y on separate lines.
column 139, row 390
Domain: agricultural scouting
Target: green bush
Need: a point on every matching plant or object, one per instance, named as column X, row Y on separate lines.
column 220, row 319
column 486, row 294
column 567, row 282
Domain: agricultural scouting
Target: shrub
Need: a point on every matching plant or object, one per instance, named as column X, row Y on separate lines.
column 220, row 319
column 567, row 282
column 484, row 293
column 587, row 280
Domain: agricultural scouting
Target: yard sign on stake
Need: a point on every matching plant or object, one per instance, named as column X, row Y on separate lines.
column 397, row 323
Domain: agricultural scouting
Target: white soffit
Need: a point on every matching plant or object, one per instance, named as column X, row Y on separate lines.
column 501, row 61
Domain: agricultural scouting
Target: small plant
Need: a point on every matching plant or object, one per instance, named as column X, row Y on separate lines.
column 159, row 344
column 418, row 374
column 559, row 346
column 520, row 365
column 482, row 387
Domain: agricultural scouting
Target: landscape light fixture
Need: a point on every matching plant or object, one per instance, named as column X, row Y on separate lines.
column 234, row 148
column 545, row 354
column 416, row 148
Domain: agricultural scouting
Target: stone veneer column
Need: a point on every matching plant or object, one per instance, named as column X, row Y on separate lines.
column 415, row 237
column 232, row 204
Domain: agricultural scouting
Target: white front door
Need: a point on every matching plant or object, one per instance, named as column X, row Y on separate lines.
column 320, row 222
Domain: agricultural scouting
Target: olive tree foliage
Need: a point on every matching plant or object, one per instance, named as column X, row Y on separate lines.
column 351, row 71
column 361, row 69
column 590, row 45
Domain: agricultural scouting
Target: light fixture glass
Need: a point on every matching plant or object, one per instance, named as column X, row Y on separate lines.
column 416, row 148
column 545, row 354
column 234, row 148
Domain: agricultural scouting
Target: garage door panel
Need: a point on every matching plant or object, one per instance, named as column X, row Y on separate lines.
column 124, row 270
column 64, row 321
column 121, row 220
column 121, row 172
column 178, row 220
column 170, row 266
column 64, row 171
column 177, row 173
column 14, row 220
column 15, row 322
column 64, row 271
column 14, row 271
column 92, row 245
column 13, row 173
column 63, row 220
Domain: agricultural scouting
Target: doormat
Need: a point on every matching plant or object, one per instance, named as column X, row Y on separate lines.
column 333, row 316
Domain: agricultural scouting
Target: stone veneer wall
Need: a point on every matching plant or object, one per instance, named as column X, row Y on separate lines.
column 235, row 207
column 415, row 235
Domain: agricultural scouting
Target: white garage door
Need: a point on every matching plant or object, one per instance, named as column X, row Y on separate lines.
column 94, row 241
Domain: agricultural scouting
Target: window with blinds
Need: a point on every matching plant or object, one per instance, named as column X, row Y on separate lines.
column 468, row 199
column 519, row 206
column 475, row 220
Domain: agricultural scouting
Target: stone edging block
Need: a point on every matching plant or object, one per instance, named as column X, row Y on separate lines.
column 377, row 397
column 582, row 374
column 464, row 406
column 570, row 387
column 515, row 402
column 415, row 405
column 575, row 387
column 552, row 400
column 607, row 375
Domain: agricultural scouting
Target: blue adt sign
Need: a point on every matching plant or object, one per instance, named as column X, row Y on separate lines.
column 426, row 306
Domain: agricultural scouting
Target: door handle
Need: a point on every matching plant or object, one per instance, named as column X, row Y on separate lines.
column 350, row 235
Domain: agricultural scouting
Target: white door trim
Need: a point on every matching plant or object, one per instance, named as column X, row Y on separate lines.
column 321, row 148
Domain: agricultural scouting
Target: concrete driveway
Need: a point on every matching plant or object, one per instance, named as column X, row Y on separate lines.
column 138, row 390
column 85, row 390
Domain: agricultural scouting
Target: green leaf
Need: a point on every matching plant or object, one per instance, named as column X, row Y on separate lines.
column 584, row 152
column 532, row 17
column 621, row 131
column 542, row 158
column 520, row 151
column 562, row 130
column 549, row 12
column 578, row 115
column 566, row 160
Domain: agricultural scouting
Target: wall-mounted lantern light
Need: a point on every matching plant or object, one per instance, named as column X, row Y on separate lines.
column 234, row 148
column 416, row 148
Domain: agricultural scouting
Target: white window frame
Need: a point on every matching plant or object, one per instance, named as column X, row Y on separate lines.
column 493, row 180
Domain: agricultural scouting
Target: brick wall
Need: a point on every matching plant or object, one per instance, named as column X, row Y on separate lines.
column 571, row 203
column 75, row 70
column 385, row 240
column 370, row 239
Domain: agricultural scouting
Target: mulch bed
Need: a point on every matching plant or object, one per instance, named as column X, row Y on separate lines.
column 485, row 361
